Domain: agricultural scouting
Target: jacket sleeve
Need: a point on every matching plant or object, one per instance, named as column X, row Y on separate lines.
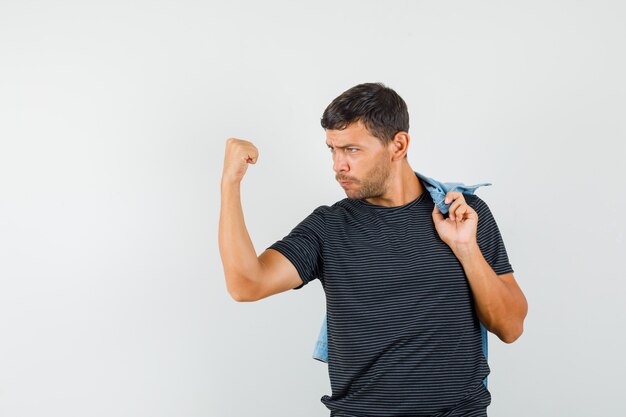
column 303, row 246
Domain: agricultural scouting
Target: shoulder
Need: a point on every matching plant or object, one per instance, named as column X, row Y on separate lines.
column 341, row 206
column 327, row 216
column 319, row 215
column 480, row 206
column 476, row 203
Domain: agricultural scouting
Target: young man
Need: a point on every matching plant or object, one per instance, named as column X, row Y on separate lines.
column 406, row 287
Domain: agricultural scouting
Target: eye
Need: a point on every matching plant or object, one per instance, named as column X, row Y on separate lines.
column 351, row 149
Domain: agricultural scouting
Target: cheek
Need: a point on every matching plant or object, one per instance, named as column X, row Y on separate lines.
column 357, row 156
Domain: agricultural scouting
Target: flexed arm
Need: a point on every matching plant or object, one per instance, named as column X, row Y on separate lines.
column 248, row 277
column 236, row 249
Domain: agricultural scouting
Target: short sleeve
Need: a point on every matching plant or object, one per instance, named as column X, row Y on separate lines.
column 303, row 246
column 489, row 238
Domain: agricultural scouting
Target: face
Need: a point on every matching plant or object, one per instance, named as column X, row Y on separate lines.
column 361, row 159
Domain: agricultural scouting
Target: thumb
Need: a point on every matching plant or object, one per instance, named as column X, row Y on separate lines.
column 437, row 214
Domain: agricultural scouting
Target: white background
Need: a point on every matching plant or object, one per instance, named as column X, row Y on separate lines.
column 113, row 122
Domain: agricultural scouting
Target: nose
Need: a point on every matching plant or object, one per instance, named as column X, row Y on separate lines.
column 339, row 163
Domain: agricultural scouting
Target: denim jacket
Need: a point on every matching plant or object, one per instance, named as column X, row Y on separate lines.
column 438, row 192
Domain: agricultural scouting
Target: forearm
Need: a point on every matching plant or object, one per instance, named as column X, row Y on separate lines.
column 238, row 255
column 500, row 305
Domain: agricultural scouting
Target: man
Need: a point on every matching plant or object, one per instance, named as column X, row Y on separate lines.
column 406, row 287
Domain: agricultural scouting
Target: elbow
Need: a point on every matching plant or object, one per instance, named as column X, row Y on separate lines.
column 512, row 329
column 241, row 293
column 237, row 297
column 241, row 297
column 511, row 333
column 510, row 337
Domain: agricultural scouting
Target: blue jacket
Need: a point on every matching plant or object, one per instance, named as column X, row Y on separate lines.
column 438, row 192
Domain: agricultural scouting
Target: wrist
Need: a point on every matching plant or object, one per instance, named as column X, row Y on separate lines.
column 229, row 182
column 467, row 252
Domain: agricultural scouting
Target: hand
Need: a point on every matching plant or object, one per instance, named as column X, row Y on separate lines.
column 459, row 230
column 239, row 153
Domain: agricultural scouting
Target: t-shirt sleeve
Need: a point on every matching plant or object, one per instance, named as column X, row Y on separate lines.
column 303, row 246
column 489, row 238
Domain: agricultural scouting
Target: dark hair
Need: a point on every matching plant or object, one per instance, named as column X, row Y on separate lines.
column 383, row 112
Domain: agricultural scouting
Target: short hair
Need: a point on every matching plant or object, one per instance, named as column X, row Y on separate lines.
column 381, row 110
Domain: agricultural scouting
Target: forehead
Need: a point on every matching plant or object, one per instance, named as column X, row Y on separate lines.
column 353, row 133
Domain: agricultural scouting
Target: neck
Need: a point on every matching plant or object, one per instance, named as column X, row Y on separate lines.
column 403, row 187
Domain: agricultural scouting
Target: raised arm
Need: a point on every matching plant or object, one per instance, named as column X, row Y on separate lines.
column 248, row 277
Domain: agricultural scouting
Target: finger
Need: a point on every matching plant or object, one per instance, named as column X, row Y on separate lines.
column 460, row 212
column 457, row 200
column 466, row 212
column 471, row 214
column 452, row 210
column 437, row 215
column 452, row 195
column 448, row 199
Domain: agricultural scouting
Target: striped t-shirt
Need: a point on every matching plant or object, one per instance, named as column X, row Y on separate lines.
column 403, row 336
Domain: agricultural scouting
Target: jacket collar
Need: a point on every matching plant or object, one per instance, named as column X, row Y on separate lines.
column 438, row 189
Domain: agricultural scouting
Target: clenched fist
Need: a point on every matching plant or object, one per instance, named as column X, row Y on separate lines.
column 239, row 153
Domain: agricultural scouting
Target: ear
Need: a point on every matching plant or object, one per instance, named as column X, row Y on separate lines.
column 399, row 145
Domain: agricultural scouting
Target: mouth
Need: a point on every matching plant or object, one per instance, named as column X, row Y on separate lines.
column 345, row 183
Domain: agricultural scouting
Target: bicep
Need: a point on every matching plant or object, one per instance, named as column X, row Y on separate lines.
column 277, row 274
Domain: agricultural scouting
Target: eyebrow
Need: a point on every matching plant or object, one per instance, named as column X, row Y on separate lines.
column 345, row 146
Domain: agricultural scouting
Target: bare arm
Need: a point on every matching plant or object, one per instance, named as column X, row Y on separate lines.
column 239, row 258
column 236, row 249
column 248, row 277
column 500, row 303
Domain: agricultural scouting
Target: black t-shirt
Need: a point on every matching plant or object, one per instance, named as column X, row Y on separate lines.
column 403, row 335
